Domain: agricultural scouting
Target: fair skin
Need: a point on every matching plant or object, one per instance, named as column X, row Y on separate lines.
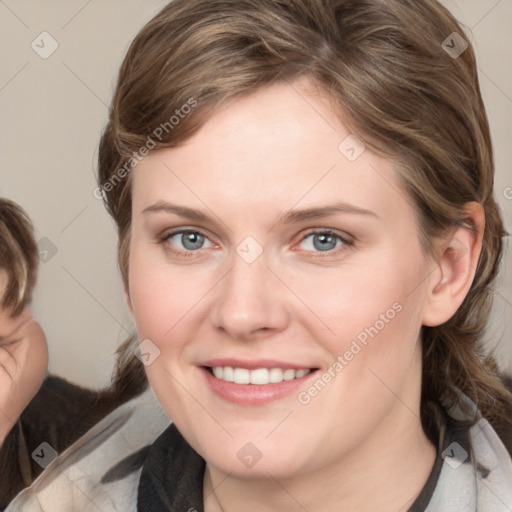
column 23, row 362
column 253, row 161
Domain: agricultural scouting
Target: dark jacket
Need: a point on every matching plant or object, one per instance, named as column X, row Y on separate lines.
column 59, row 414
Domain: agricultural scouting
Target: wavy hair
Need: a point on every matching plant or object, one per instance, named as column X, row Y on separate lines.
column 385, row 68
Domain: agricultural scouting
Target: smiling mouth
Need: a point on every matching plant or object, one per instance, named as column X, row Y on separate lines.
column 258, row 376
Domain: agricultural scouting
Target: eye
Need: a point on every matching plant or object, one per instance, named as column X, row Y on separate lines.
column 324, row 241
column 186, row 240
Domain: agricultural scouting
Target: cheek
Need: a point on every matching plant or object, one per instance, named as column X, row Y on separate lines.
column 162, row 296
column 371, row 314
column 347, row 300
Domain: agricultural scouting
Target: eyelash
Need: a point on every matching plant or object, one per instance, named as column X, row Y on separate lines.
column 347, row 243
column 178, row 252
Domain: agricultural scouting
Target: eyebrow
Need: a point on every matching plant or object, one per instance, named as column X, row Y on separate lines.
column 324, row 211
column 289, row 217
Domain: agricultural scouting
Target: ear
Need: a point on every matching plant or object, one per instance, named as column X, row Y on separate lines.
column 456, row 262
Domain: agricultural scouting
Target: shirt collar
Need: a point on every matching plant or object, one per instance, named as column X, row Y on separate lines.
column 172, row 476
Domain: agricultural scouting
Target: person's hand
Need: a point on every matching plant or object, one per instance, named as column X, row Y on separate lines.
column 23, row 363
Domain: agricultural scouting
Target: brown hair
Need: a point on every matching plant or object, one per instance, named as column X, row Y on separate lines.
column 18, row 256
column 383, row 64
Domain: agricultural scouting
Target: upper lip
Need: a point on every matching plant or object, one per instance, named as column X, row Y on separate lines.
column 253, row 364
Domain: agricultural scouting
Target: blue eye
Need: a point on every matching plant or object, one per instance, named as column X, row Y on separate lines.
column 189, row 240
column 323, row 241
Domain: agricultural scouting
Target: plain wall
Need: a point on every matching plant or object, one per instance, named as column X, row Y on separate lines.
column 52, row 112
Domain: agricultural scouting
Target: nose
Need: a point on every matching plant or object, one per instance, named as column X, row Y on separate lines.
column 250, row 302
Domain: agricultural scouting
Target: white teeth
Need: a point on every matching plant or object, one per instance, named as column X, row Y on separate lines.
column 276, row 375
column 229, row 374
column 258, row 377
column 242, row 376
column 289, row 374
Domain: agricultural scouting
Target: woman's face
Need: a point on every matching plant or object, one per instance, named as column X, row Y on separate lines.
column 271, row 242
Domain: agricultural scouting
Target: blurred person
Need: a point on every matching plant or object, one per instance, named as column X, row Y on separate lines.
column 34, row 407
column 23, row 349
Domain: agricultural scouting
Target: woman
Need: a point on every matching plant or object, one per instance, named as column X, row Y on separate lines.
column 307, row 237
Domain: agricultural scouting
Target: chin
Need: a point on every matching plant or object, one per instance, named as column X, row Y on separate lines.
column 256, row 461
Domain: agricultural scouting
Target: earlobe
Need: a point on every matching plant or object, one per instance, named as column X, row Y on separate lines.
column 455, row 269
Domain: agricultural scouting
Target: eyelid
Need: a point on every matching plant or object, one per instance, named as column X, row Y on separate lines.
column 330, row 231
column 169, row 233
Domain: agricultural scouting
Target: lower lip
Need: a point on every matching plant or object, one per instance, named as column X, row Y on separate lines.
column 254, row 394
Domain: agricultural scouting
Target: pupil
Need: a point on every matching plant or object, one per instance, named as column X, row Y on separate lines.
column 192, row 240
column 326, row 242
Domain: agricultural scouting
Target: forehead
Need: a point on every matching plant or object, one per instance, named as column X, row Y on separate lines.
column 279, row 146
